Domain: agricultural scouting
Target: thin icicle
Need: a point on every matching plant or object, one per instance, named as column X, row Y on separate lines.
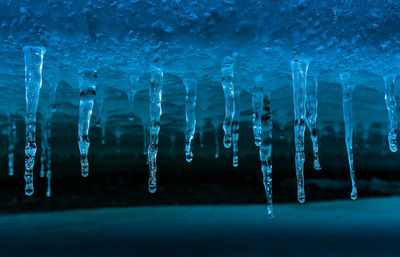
column 299, row 76
column 134, row 79
column 235, row 130
column 229, row 93
column 12, row 136
column 257, row 102
column 348, row 124
column 216, row 126
column 390, row 98
column 266, row 151
column 48, row 161
column 87, row 87
column 43, row 155
column 33, row 82
column 311, row 118
column 155, row 115
column 190, row 108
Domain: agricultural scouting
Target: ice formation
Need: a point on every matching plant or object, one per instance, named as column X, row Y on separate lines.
column 210, row 63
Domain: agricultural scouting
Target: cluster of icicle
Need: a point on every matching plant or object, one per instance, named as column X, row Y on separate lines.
column 305, row 102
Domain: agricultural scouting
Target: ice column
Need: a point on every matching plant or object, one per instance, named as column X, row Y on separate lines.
column 229, row 93
column 155, row 115
column 257, row 103
column 299, row 76
column 348, row 125
column 134, row 79
column 265, row 151
column 311, row 118
column 33, row 83
column 87, row 87
column 190, row 107
column 235, row 130
column 390, row 98
column 12, row 136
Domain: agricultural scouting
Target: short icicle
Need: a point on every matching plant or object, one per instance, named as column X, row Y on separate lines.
column 190, row 114
column 299, row 76
column 348, row 124
column 12, row 137
column 266, row 151
column 390, row 98
column 229, row 93
column 87, row 87
column 235, row 130
column 33, row 82
column 155, row 115
column 311, row 118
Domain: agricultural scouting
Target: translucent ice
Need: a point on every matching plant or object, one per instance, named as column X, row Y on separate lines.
column 87, row 88
column 390, row 98
column 190, row 114
column 257, row 102
column 235, row 129
column 155, row 115
column 12, row 137
column 33, row 82
column 299, row 76
column 348, row 124
column 229, row 93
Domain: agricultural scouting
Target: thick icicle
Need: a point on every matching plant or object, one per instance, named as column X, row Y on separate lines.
column 390, row 98
column 299, row 76
column 311, row 118
column 190, row 108
column 134, row 79
column 348, row 125
column 266, row 150
column 87, row 87
column 12, row 136
column 33, row 83
column 256, row 103
column 155, row 115
column 229, row 93
column 235, row 130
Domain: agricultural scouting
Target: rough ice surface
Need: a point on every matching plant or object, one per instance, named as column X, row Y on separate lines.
column 205, row 65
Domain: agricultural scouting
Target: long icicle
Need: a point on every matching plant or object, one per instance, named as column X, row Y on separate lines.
column 348, row 124
column 235, row 130
column 155, row 115
column 311, row 118
column 190, row 108
column 12, row 136
column 229, row 93
column 266, row 151
column 33, row 82
column 390, row 98
column 299, row 76
column 87, row 87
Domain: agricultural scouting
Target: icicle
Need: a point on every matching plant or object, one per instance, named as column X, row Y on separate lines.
column 43, row 155
column 266, row 150
column 134, row 79
column 87, row 87
column 145, row 126
column 12, row 136
column 229, row 93
column 311, row 118
column 190, row 106
column 390, row 98
column 155, row 115
column 257, row 101
column 348, row 125
column 235, row 130
column 48, row 160
column 33, row 83
column 215, row 126
column 299, row 76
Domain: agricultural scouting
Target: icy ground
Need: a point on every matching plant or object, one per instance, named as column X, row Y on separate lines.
column 339, row 228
